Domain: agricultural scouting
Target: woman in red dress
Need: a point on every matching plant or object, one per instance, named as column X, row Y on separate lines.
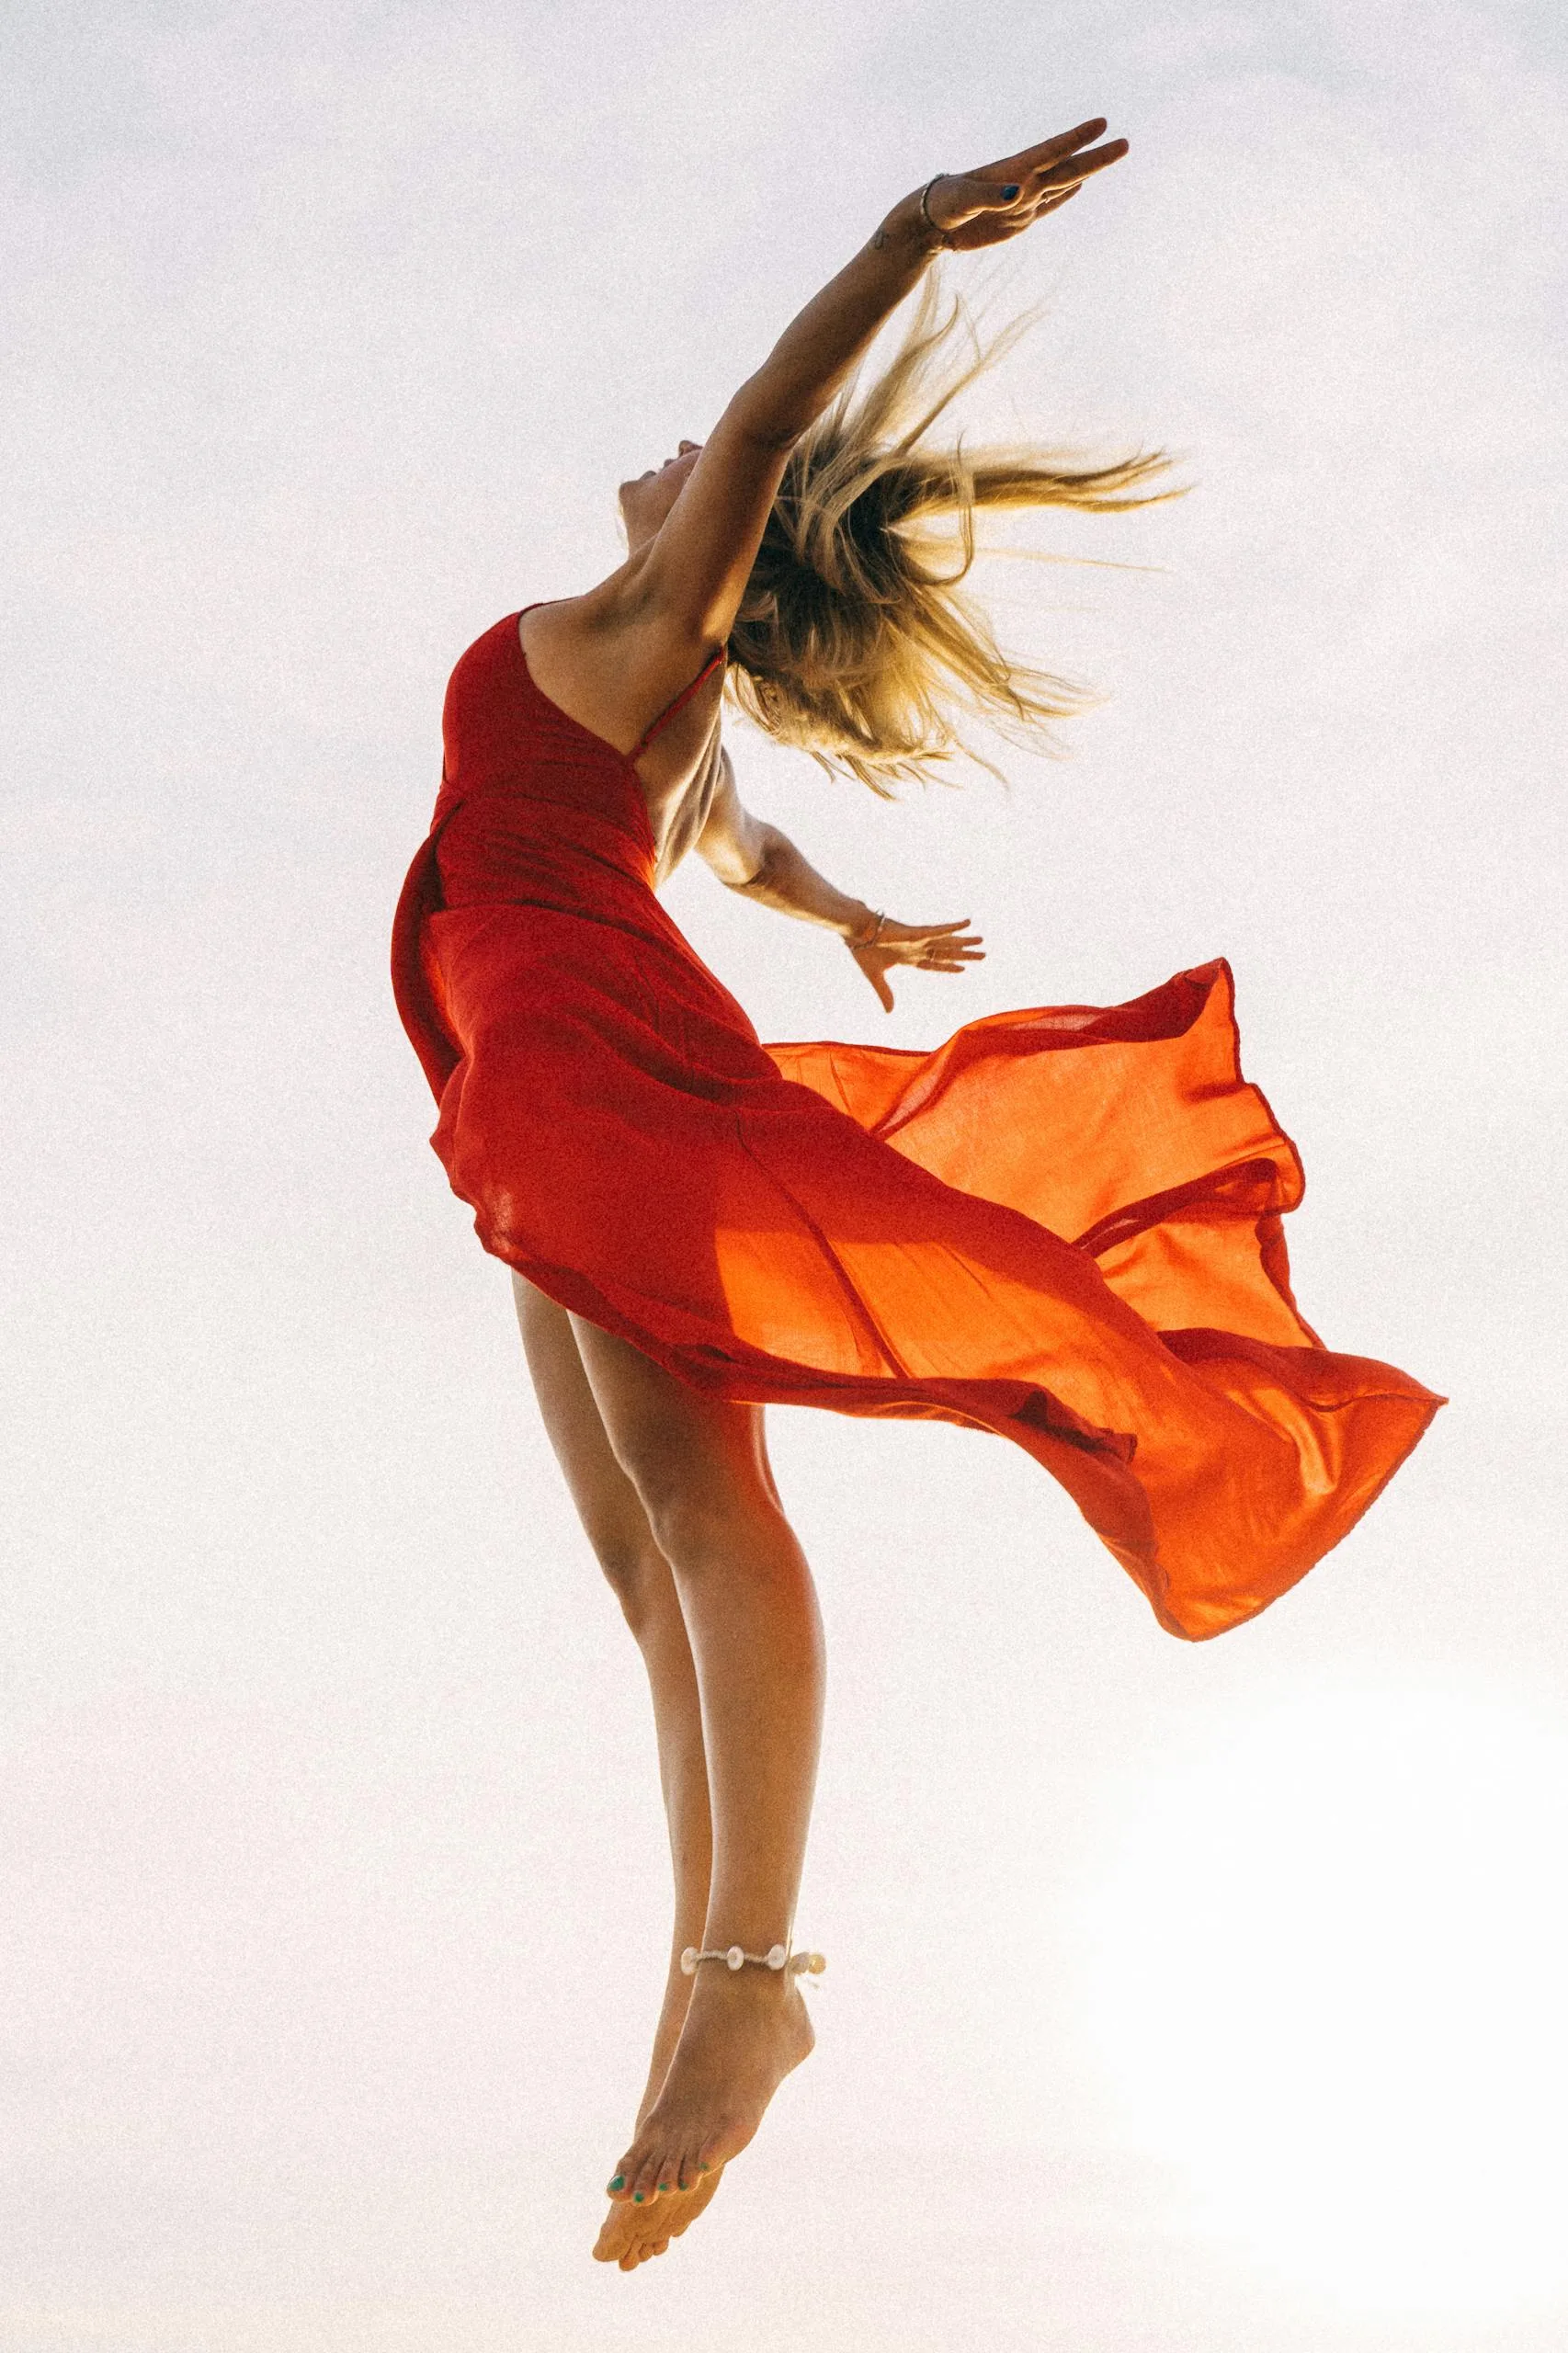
column 1063, row 1226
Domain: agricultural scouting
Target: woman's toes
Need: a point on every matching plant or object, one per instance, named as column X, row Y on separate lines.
column 611, row 2243
column 626, row 2173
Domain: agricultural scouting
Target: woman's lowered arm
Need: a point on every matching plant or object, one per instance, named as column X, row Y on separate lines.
column 754, row 858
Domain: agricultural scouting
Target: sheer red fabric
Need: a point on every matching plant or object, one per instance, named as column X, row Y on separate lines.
column 1063, row 1226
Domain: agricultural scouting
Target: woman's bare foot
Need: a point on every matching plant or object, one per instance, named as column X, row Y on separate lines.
column 631, row 2233
column 743, row 2032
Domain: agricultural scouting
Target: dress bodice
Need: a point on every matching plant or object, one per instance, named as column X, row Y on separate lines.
column 504, row 740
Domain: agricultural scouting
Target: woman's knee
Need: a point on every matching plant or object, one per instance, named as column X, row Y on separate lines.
column 702, row 1511
column 694, row 1464
column 637, row 1573
column 650, row 1448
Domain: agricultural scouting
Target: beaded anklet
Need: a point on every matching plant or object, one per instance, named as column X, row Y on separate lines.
column 777, row 1957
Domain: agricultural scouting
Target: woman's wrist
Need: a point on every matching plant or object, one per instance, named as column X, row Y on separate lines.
column 819, row 346
column 865, row 926
column 910, row 233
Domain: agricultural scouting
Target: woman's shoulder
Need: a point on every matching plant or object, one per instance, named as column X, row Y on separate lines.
column 496, row 644
column 487, row 666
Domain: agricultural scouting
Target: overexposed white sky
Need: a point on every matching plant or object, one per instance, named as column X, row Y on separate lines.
column 333, row 1888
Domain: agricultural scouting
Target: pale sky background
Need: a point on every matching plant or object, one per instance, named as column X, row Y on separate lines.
column 1180, row 2000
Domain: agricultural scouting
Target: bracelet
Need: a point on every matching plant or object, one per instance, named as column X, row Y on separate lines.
column 871, row 936
column 938, row 233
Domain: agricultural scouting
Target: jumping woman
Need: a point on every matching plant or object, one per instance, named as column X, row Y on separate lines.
column 1063, row 1226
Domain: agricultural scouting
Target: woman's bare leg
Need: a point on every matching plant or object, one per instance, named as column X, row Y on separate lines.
column 616, row 1527
column 700, row 1470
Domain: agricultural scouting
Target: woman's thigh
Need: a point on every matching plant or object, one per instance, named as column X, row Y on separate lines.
column 676, row 1446
column 607, row 1501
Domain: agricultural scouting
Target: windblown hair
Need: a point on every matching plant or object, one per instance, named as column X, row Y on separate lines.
column 854, row 639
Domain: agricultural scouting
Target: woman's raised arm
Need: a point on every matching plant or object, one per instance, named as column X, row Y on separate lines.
column 614, row 656
column 695, row 568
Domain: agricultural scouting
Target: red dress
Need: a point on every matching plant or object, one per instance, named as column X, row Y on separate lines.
column 1061, row 1226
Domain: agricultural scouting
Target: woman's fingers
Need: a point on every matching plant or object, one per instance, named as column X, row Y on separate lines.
column 874, row 962
column 943, row 935
column 1005, row 196
column 931, row 954
column 923, row 946
column 1056, row 160
column 1047, row 151
column 957, row 197
column 1073, row 170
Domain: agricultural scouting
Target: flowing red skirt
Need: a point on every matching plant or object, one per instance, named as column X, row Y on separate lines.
column 1063, row 1226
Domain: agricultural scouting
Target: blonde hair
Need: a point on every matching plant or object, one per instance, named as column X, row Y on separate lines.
column 854, row 639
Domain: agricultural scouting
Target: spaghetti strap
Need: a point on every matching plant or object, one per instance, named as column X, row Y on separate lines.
column 679, row 703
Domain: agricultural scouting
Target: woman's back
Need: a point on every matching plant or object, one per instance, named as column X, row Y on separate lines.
column 676, row 756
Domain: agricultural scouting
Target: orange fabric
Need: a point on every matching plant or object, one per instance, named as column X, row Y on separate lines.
column 1063, row 1226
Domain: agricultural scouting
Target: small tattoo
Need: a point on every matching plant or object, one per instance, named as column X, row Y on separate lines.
column 879, row 240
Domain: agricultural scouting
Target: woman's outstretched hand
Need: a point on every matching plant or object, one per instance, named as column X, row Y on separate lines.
column 932, row 947
column 972, row 209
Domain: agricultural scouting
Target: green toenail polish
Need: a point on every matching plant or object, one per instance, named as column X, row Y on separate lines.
column 637, row 2197
column 619, row 2182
